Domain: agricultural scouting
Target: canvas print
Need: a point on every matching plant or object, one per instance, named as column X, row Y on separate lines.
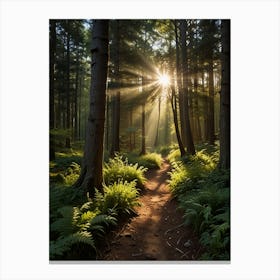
column 139, row 140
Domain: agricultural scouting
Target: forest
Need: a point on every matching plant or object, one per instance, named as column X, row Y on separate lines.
column 139, row 133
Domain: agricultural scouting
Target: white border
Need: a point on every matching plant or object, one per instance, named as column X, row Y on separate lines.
column 24, row 138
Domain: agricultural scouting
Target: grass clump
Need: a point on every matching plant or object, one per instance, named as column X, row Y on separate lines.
column 119, row 169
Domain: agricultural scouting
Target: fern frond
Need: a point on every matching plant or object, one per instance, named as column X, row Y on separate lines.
column 64, row 225
column 86, row 206
column 63, row 245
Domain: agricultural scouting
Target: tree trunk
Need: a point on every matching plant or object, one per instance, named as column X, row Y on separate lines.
column 130, row 125
column 68, row 123
column 117, row 95
column 211, row 121
column 179, row 85
column 167, row 125
column 107, row 123
column 175, row 118
column 143, row 140
column 225, row 98
column 52, row 69
column 197, row 121
column 76, row 97
column 158, row 121
column 91, row 176
column 189, row 139
column 205, row 110
column 80, row 103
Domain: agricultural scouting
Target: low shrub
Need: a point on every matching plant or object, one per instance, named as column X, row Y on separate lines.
column 67, row 177
column 178, row 178
column 119, row 169
column 164, row 150
column 120, row 198
column 150, row 160
column 174, row 155
column 75, row 231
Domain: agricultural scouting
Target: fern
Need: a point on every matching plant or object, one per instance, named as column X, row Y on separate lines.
column 64, row 244
column 204, row 196
column 67, row 223
column 120, row 198
column 119, row 169
column 76, row 225
column 150, row 160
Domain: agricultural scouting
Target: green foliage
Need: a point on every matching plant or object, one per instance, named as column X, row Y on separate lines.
column 64, row 244
column 75, row 230
column 119, row 169
column 178, row 177
column 61, row 196
column 65, row 159
column 174, row 155
column 217, row 237
column 75, row 226
column 164, row 150
column 120, row 198
column 204, row 196
column 67, row 177
column 150, row 160
column 190, row 171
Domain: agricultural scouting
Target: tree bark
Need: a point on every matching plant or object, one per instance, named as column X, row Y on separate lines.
column 143, row 140
column 175, row 118
column 211, row 121
column 80, row 107
column 91, row 176
column 76, row 97
column 107, row 123
column 52, row 69
column 130, row 126
column 196, row 104
column 117, row 95
column 225, row 98
column 179, row 85
column 189, row 139
column 68, row 123
column 158, row 122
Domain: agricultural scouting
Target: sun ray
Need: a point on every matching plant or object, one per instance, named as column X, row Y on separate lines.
column 164, row 80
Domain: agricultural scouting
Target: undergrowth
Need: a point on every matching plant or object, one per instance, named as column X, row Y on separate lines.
column 76, row 230
column 150, row 160
column 77, row 223
column 204, row 195
column 119, row 169
column 120, row 197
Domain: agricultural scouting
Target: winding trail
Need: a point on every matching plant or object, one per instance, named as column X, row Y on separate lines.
column 157, row 232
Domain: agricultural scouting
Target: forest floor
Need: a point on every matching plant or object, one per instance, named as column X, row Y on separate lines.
column 157, row 232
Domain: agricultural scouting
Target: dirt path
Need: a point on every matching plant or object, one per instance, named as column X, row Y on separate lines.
column 157, row 232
